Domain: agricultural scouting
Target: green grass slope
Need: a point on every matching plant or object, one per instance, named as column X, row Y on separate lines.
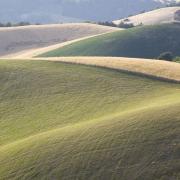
column 66, row 121
column 140, row 42
column 177, row 59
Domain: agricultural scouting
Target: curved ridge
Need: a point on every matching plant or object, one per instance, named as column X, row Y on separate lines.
column 159, row 69
column 61, row 142
column 138, row 109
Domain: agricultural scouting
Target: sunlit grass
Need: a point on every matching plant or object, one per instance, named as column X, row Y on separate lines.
column 65, row 121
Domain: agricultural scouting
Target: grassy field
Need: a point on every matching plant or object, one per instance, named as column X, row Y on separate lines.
column 67, row 121
column 140, row 42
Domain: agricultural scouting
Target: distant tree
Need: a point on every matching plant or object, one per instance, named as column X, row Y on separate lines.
column 1, row 25
column 140, row 24
column 90, row 22
column 142, row 12
column 125, row 25
column 176, row 59
column 126, row 20
column 8, row 24
column 22, row 24
column 106, row 23
column 130, row 15
column 173, row 4
column 168, row 56
column 177, row 15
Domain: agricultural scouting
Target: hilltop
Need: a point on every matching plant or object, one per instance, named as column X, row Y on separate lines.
column 158, row 16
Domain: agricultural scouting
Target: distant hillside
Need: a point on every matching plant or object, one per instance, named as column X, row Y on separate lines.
column 159, row 16
column 141, row 42
column 17, row 39
column 54, row 11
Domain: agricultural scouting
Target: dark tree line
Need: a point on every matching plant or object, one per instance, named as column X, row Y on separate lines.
column 168, row 56
column 124, row 24
column 173, row 4
column 9, row 24
column 106, row 23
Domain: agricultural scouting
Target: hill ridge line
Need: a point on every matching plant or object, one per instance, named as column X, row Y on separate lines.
column 124, row 113
column 155, row 69
column 156, row 16
column 129, row 71
column 30, row 53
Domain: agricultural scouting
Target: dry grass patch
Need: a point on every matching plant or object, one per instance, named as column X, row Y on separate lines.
column 157, row 68
column 159, row 16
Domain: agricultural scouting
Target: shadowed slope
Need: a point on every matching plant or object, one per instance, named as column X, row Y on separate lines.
column 169, row 71
column 140, row 42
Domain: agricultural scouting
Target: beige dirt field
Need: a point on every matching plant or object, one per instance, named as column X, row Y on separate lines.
column 159, row 16
column 20, row 39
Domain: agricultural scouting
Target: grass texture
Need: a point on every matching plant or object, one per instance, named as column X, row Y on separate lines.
column 67, row 121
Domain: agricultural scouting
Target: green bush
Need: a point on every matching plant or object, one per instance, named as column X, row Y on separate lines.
column 168, row 56
column 106, row 23
column 125, row 25
column 177, row 59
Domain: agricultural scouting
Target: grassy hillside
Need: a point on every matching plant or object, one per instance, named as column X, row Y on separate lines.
column 142, row 42
column 65, row 121
column 23, row 39
column 160, row 69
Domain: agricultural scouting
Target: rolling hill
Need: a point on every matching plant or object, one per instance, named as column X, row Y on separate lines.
column 18, row 39
column 164, row 70
column 139, row 42
column 158, row 16
column 70, row 121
